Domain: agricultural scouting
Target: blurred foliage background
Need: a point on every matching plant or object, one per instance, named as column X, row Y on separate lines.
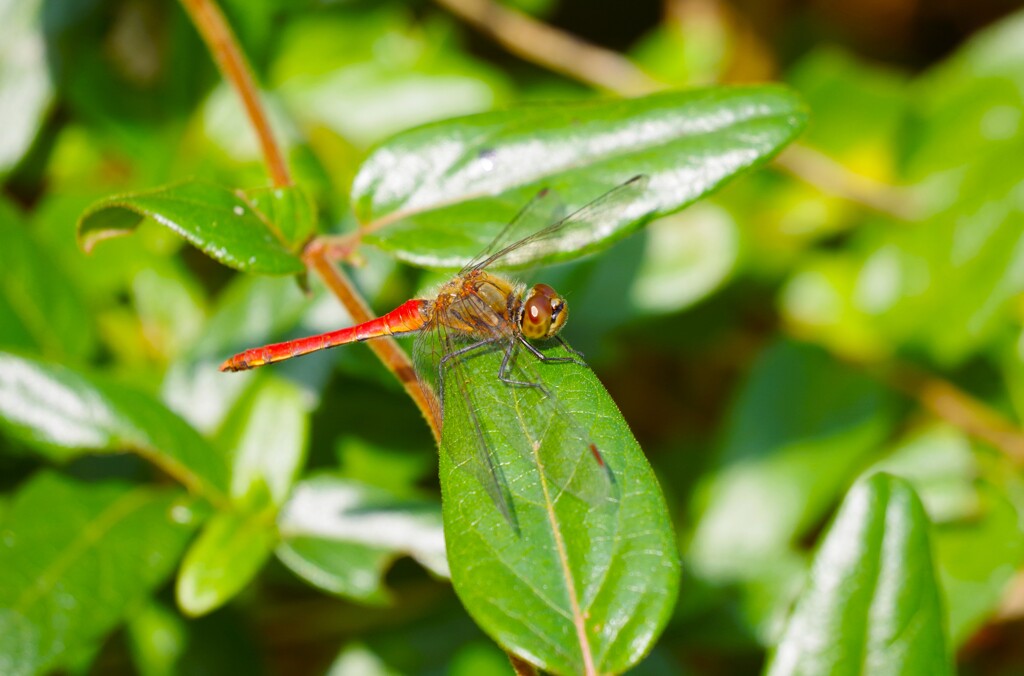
column 856, row 305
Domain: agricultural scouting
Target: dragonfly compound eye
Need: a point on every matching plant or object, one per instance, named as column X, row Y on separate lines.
column 544, row 313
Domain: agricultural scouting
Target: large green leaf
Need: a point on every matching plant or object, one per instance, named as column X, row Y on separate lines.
column 561, row 565
column 64, row 413
column 977, row 535
column 871, row 604
column 438, row 194
column 256, row 232
column 75, row 558
column 341, row 536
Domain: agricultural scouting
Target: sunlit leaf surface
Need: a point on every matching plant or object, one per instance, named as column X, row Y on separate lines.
column 871, row 604
column 436, row 195
column 64, row 414
column 341, row 536
column 575, row 579
column 225, row 224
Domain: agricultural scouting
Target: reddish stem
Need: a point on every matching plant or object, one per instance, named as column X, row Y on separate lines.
column 223, row 45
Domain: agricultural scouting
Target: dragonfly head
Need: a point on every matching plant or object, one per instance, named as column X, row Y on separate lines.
column 543, row 313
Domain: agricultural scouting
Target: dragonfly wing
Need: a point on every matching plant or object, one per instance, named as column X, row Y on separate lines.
column 521, row 242
column 558, row 443
column 543, row 209
column 514, row 435
column 440, row 356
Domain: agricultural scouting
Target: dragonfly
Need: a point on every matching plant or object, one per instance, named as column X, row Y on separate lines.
column 479, row 311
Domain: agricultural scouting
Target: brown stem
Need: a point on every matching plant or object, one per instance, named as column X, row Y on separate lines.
column 832, row 178
column 948, row 402
column 552, row 48
column 386, row 349
column 223, row 45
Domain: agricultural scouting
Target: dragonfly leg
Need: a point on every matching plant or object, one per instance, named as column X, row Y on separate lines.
column 503, row 371
column 552, row 360
column 576, row 353
column 452, row 355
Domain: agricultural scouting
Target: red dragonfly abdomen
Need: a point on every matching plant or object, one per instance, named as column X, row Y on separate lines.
column 408, row 317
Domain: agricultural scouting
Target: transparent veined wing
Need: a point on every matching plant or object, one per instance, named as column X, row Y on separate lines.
column 529, row 237
column 515, row 437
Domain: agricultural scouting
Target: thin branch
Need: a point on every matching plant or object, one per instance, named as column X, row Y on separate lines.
column 948, row 402
column 832, row 178
column 223, row 45
column 552, row 48
column 386, row 349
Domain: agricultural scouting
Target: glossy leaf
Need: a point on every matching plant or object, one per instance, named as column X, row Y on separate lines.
column 289, row 211
column 871, row 603
column 224, row 558
column 572, row 584
column 64, row 414
column 44, row 305
column 76, row 558
column 436, row 195
column 268, row 435
column 801, row 426
column 341, row 536
column 224, row 224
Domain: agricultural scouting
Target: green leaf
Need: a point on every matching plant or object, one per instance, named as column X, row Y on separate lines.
column 802, row 425
column 576, row 573
column 871, row 603
column 75, row 558
column 290, row 211
column 859, row 109
column 64, row 414
column 341, row 536
column 44, row 305
column 267, row 434
column 224, row 224
column 224, row 558
column 436, row 195
column 25, row 86
column 978, row 538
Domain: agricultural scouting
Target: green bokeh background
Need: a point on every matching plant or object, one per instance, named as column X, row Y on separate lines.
column 756, row 342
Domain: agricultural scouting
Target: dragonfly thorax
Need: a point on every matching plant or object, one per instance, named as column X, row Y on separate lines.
column 543, row 313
